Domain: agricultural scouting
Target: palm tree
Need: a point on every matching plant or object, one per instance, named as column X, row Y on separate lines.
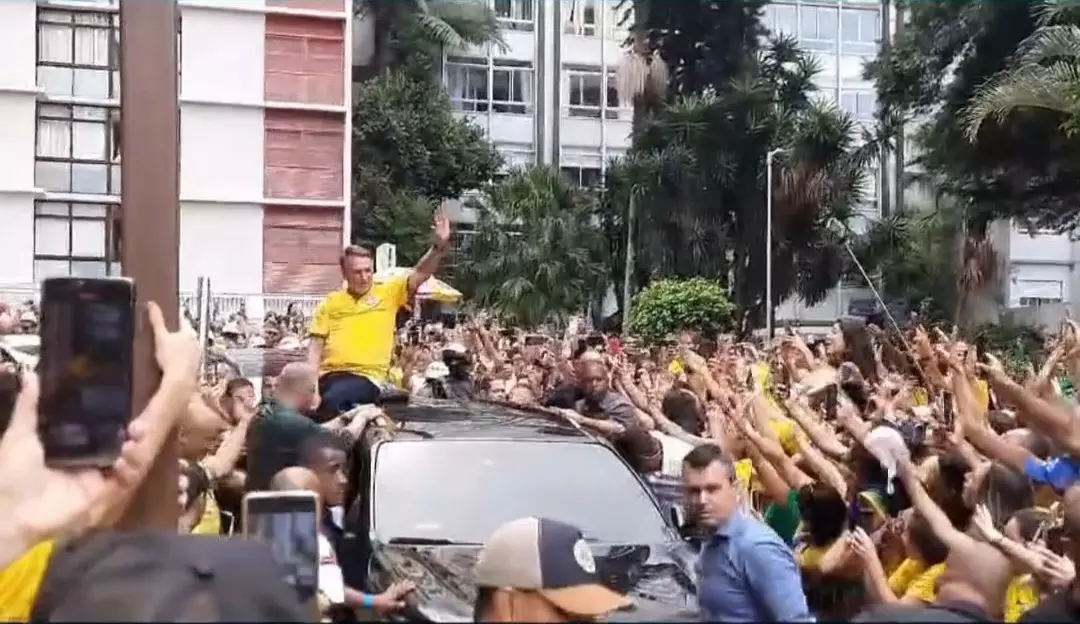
column 1045, row 74
column 537, row 254
column 441, row 24
column 696, row 170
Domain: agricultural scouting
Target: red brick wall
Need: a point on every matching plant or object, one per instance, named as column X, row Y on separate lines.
column 305, row 59
column 304, row 155
column 301, row 246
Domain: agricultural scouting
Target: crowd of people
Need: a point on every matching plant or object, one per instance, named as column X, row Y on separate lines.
column 867, row 475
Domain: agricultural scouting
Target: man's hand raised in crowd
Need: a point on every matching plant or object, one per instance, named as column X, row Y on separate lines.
column 42, row 503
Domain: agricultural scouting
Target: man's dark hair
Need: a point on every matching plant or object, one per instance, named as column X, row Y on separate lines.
column 317, row 442
column 703, row 455
column 355, row 251
column 682, row 408
column 10, row 385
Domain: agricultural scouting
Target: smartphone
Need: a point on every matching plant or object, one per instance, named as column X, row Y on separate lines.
column 289, row 522
column 854, row 514
column 830, row 401
column 595, row 341
column 947, row 409
column 85, row 369
column 751, row 385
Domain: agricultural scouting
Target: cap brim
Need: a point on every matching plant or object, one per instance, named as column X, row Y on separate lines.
column 588, row 600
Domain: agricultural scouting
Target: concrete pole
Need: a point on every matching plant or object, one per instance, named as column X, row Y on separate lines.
column 770, row 310
column 150, row 212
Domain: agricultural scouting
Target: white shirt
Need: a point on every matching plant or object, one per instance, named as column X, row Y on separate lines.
column 331, row 582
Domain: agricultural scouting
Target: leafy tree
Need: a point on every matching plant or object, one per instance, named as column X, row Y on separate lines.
column 1019, row 166
column 696, row 169
column 412, row 34
column 537, row 254
column 669, row 306
column 411, row 152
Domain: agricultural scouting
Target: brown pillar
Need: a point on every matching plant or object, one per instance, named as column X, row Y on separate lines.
column 150, row 209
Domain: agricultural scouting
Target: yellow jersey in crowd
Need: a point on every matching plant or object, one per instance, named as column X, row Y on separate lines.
column 19, row 583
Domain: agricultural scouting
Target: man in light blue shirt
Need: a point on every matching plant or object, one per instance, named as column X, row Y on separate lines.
column 746, row 572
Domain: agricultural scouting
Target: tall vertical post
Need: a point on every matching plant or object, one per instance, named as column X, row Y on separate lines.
column 628, row 270
column 150, row 205
column 203, row 303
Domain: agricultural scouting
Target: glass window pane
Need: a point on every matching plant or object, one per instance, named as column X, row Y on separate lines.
column 91, row 83
column 114, row 180
column 785, row 19
column 53, row 138
column 54, row 43
column 55, row 80
column 500, row 87
column 826, row 19
column 51, row 237
column 51, row 208
column 87, row 178
column 90, row 113
column 89, row 210
column 44, row 269
column 52, row 176
column 89, row 269
column 88, row 238
column 88, row 141
column 92, row 46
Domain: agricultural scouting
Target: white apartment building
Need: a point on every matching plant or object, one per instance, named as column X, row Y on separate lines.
column 549, row 97
column 264, row 130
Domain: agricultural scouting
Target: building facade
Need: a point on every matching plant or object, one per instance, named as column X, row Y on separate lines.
column 264, row 129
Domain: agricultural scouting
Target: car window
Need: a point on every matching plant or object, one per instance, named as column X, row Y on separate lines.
column 463, row 490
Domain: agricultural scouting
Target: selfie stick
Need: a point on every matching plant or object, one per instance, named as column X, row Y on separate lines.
column 869, row 282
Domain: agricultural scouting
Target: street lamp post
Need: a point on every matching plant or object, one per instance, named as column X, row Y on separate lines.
column 150, row 217
column 769, row 158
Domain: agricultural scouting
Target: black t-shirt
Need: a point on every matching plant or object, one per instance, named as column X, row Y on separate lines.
column 944, row 611
column 1059, row 607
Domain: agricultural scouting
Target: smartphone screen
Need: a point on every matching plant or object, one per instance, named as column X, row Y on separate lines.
column 830, row 401
column 85, row 369
column 947, row 408
column 289, row 522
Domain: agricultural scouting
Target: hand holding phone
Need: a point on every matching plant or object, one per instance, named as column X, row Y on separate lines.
column 87, row 335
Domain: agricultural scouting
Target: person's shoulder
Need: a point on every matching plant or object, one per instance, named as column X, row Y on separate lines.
column 335, row 298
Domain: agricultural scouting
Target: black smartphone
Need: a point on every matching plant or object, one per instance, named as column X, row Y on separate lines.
column 535, row 339
column 854, row 514
column 830, row 401
column 289, row 522
column 595, row 341
column 750, row 384
column 85, row 369
column 947, row 409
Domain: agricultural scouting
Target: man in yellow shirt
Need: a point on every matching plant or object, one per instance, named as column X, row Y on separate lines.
column 352, row 333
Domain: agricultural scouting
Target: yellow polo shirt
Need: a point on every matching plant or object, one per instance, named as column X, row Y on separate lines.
column 359, row 331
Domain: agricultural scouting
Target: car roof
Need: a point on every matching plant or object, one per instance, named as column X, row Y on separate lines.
column 479, row 420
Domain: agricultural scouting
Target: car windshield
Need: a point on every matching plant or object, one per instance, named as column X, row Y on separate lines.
column 461, row 491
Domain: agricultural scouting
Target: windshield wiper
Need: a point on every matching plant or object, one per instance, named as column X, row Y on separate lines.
column 428, row 541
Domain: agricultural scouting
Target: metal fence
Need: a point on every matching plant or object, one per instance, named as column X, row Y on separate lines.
column 222, row 305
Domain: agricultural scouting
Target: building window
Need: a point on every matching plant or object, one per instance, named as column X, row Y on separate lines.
column 860, row 31
column 510, row 89
column 78, row 54
column 862, row 105
column 817, row 28
column 75, row 150
column 583, row 177
column 781, row 19
column 516, row 14
column 76, row 239
column 1034, row 302
column 583, row 93
column 467, row 83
